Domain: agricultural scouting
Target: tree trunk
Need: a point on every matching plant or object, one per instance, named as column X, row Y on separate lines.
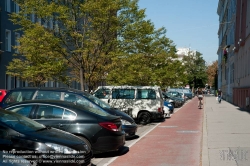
column 81, row 79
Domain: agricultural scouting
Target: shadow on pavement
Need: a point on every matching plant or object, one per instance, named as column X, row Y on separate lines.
column 243, row 110
column 133, row 137
column 123, row 150
column 159, row 120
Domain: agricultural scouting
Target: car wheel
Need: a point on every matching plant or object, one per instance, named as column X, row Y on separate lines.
column 144, row 118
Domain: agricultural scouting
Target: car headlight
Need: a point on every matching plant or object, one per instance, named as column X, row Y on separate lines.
column 125, row 122
column 61, row 149
column 170, row 105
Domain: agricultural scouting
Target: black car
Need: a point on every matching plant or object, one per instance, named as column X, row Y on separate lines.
column 128, row 123
column 23, row 137
column 100, row 128
column 71, row 95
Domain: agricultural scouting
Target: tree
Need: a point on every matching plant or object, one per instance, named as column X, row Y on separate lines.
column 146, row 55
column 35, row 63
column 82, row 35
column 212, row 73
column 195, row 69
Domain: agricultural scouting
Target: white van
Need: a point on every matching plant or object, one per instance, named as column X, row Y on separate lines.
column 144, row 103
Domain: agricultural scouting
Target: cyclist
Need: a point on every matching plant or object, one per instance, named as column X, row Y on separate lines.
column 219, row 94
column 200, row 95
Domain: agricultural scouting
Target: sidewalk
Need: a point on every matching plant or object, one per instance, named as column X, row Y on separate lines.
column 226, row 134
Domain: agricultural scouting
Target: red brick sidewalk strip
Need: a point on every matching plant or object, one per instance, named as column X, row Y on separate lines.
column 174, row 142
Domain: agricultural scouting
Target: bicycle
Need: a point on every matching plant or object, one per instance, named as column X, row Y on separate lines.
column 200, row 104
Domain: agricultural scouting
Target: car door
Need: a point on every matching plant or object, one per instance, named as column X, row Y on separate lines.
column 54, row 116
column 5, row 141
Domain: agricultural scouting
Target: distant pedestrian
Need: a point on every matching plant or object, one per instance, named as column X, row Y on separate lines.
column 219, row 95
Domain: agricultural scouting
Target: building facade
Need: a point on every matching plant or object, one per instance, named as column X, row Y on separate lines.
column 9, row 38
column 226, row 55
column 242, row 50
column 234, row 51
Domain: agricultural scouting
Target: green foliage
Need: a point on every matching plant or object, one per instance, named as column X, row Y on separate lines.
column 80, row 33
column 195, row 69
column 93, row 41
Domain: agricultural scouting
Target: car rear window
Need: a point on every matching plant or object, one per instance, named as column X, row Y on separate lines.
column 146, row 94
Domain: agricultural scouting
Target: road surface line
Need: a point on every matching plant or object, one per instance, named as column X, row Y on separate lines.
column 114, row 158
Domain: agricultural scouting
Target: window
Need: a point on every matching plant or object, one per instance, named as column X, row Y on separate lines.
column 123, row 94
column 17, row 36
column 70, row 97
column 33, row 17
column 7, row 6
column 49, row 112
column 102, row 93
column 7, row 40
column 50, row 24
column 48, row 95
column 18, row 96
column 146, row 94
column 23, row 110
column 69, row 115
column 16, row 8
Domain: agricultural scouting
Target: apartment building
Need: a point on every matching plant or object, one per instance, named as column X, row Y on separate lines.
column 234, row 51
column 8, row 39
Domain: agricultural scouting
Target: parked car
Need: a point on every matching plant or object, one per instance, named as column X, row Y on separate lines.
column 170, row 106
column 35, row 142
column 175, row 101
column 128, row 123
column 177, row 94
column 3, row 92
column 71, row 95
column 143, row 103
column 188, row 93
column 90, row 123
column 8, row 161
column 166, row 109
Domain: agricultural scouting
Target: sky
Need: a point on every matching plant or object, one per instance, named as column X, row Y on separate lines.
column 191, row 24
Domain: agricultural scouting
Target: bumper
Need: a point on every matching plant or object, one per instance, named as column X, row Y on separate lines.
column 130, row 130
column 108, row 143
column 157, row 115
column 166, row 112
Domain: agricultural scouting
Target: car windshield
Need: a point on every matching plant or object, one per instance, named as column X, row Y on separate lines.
column 19, row 122
column 186, row 91
column 97, row 101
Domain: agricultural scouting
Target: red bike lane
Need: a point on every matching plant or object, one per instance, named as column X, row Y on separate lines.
column 175, row 142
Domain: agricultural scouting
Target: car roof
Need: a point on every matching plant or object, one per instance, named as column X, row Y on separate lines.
column 67, row 104
column 51, row 89
column 55, row 102
column 128, row 87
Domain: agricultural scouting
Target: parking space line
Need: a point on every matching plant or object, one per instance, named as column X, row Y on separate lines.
column 114, row 158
